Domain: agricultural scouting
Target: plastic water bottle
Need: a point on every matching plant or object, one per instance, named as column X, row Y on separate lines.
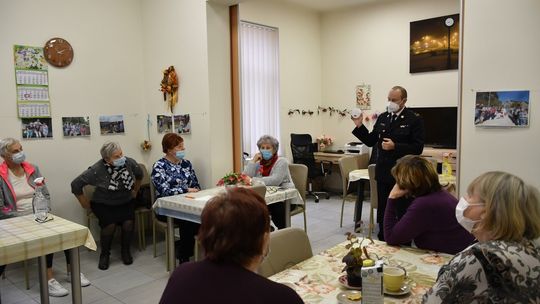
column 446, row 167
column 40, row 203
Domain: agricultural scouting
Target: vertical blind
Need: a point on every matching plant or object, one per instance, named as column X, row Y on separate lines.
column 259, row 70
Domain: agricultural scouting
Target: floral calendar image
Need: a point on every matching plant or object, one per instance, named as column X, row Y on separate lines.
column 32, row 82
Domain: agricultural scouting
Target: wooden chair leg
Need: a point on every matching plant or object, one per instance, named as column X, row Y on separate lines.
column 305, row 220
column 342, row 207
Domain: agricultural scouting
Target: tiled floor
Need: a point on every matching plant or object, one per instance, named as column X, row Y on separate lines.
column 144, row 281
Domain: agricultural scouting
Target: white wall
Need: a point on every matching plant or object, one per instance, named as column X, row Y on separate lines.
column 299, row 62
column 370, row 44
column 500, row 52
column 105, row 78
column 175, row 33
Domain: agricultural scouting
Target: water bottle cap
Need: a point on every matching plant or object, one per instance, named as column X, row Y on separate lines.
column 355, row 112
column 39, row 181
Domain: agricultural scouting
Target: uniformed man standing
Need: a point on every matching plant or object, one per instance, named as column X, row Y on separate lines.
column 397, row 132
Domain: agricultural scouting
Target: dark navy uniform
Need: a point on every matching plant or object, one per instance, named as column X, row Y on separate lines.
column 408, row 134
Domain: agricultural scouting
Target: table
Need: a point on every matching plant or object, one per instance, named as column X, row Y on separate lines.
column 316, row 279
column 22, row 238
column 189, row 206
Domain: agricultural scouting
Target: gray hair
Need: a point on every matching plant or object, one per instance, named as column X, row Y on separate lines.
column 5, row 144
column 108, row 149
column 267, row 139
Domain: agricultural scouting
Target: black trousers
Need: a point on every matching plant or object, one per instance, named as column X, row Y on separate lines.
column 277, row 212
column 48, row 258
column 383, row 191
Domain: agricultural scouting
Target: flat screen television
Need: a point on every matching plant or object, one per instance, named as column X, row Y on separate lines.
column 441, row 126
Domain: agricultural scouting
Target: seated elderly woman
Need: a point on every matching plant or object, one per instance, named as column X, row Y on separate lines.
column 171, row 175
column 430, row 219
column 234, row 232
column 271, row 170
column 503, row 213
column 17, row 189
column 117, row 180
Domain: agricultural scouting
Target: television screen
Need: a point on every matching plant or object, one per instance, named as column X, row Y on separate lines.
column 441, row 126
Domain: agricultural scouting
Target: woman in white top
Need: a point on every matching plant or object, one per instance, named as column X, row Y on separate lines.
column 17, row 189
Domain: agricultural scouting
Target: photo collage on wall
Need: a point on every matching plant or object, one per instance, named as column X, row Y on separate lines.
column 182, row 124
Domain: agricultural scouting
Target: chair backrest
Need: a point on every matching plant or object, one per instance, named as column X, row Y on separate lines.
column 146, row 176
column 288, row 247
column 302, row 149
column 260, row 189
column 299, row 175
column 373, row 187
column 346, row 165
column 88, row 191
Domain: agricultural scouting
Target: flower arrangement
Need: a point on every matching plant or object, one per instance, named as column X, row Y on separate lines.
column 235, row 179
column 324, row 141
column 354, row 260
column 146, row 145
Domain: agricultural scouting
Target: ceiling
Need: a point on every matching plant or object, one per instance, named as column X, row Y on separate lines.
column 318, row 5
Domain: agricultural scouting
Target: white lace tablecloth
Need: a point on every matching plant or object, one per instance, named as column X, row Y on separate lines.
column 316, row 279
column 189, row 206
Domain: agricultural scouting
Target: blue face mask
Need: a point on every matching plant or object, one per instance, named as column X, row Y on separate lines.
column 119, row 162
column 18, row 158
column 266, row 154
column 180, row 154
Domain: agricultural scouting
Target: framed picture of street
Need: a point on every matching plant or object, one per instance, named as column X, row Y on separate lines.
column 502, row 109
column 434, row 44
column 111, row 124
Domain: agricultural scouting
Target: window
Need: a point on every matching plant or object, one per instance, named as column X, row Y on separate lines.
column 259, row 82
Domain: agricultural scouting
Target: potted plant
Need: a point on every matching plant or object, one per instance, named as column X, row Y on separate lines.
column 324, row 141
column 355, row 259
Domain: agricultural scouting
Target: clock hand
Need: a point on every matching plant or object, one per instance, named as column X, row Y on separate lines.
column 62, row 51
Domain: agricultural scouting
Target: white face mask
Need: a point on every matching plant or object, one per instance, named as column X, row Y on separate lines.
column 392, row 107
column 466, row 222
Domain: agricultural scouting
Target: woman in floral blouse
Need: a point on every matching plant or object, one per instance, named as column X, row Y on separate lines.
column 172, row 175
column 503, row 213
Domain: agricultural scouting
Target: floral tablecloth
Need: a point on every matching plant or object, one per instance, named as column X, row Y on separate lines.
column 316, row 279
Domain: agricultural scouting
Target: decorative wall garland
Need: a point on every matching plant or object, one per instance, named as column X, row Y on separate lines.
column 331, row 111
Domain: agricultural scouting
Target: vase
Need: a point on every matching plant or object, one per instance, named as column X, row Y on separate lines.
column 354, row 276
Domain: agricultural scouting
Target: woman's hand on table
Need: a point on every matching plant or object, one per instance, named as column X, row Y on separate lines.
column 191, row 190
column 397, row 192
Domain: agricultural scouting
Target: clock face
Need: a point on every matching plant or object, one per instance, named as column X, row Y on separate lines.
column 58, row 52
column 449, row 21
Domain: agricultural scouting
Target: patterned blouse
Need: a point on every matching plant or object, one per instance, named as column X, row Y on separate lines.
column 490, row 272
column 171, row 179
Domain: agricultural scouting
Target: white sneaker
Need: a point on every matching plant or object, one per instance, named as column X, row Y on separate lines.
column 84, row 281
column 56, row 290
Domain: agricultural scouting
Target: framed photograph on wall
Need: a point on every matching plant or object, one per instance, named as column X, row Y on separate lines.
column 35, row 128
column 363, row 96
column 434, row 44
column 182, row 124
column 76, row 126
column 111, row 124
column 502, row 109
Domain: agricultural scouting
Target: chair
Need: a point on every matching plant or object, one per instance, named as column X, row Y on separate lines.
column 346, row 165
column 260, row 189
column 372, row 197
column 299, row 175
column 288, row 247
column 141, row 211
column 302, row 148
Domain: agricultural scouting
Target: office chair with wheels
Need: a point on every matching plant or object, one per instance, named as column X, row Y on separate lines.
column 302, row 148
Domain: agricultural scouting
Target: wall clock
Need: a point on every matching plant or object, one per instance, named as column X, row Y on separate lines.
column 58, row 52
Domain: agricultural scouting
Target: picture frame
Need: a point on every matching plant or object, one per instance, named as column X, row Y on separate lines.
column 502, row 109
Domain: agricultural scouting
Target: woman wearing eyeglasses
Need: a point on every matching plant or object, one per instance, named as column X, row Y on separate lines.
column 503, row 214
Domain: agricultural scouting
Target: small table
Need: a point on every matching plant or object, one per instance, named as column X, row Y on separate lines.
column 22, row 238
column 316, row 279
column 189, row 206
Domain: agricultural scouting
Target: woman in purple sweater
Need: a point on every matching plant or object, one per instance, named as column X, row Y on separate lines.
column 430, row 219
